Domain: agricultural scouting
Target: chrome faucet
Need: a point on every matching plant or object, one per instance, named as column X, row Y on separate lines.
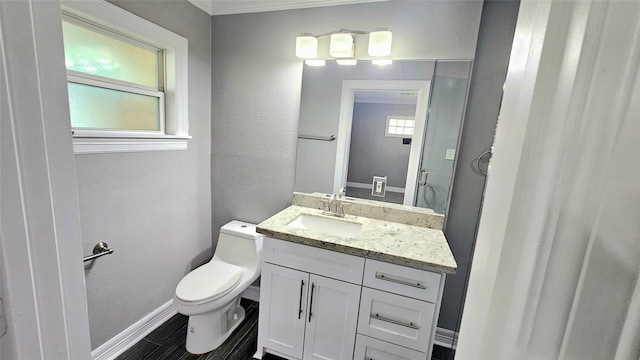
column 333, row 207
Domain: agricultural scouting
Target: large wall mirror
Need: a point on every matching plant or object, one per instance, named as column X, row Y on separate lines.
column 400, row 122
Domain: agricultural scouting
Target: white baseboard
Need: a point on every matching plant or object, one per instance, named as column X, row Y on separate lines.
column 251, row 293
column 446, row 338
column 134, row 333
column 368, row 186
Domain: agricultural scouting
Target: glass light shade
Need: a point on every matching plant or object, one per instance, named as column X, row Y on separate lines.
column 380, row 43
column 382, row 61
column 315, row 62
column 341, row 45
column 306, row 46
column 347, row 61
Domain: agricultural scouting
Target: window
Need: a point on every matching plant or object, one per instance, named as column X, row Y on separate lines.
column 400, row 126
column 127, row 80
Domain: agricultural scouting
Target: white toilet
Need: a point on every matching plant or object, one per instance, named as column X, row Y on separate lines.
column 209, row 295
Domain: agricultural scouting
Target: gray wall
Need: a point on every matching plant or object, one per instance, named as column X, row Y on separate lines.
column 320, row 114
column 489, row 71
column 371, row 152
column 153, row 208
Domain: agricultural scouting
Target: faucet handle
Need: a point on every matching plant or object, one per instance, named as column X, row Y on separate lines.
column 340, row 209
column 327, row 204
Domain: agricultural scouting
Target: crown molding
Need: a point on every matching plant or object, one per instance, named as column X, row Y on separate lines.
column 227, row 7
column 204, row 5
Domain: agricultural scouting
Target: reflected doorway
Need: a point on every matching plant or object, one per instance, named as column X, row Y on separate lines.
column 382, row 129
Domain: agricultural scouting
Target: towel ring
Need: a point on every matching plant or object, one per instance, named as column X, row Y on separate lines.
column 477, row 162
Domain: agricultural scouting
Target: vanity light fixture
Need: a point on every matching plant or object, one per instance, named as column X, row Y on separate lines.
column 342, row 44
column 347, row 61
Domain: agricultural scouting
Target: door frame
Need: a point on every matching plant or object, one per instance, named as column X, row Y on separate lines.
column 349, row 87
column 40, row 220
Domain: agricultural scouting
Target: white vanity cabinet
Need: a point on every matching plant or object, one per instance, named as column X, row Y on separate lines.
column 320, row 304
column 303, row 314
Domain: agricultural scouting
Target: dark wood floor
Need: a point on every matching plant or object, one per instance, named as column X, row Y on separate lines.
column 167, row 342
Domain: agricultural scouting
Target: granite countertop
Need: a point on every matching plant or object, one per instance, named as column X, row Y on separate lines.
column 393, row 242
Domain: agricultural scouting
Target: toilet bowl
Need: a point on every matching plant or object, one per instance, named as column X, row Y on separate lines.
column 210, row 294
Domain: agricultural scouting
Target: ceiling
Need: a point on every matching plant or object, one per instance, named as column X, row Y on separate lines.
column 386, row 97
column 225, row 7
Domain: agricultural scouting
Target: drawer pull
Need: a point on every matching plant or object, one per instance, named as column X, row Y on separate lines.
column 300, row 305
column 401, row 323
column 403, row 282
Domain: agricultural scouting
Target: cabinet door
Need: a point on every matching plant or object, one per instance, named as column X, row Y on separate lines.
column 283, row 304
column 332, row 317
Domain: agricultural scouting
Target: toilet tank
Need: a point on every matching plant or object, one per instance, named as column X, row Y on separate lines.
column 239, row 244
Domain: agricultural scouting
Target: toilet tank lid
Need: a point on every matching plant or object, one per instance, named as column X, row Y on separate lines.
column 240, row 228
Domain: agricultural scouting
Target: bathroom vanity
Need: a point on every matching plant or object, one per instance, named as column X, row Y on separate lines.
column 366, row 286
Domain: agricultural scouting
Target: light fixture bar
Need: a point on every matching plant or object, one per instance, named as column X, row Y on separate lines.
column 344, row 31
column 342, row 44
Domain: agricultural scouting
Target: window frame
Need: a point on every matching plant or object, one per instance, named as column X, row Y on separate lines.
column 174, row 133
column 399, row 117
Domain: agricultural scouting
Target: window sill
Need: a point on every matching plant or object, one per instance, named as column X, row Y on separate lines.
column 93, row 145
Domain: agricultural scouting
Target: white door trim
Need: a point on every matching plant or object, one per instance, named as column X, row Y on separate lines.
column 42, row 244
column 349, row 87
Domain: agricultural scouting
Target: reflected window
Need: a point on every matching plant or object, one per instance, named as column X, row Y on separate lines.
column 400, row 126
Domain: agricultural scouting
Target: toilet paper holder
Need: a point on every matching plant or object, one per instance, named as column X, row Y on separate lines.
column 101, row 249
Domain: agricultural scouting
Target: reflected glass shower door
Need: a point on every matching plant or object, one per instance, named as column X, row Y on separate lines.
column 446, row 109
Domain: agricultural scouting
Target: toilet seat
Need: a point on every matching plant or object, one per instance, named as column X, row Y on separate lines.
column 208, row 282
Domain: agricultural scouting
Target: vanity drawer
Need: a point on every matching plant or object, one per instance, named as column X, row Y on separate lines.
column 415, row 283
column 373, row 349
column 314, row 260
column 396, row 319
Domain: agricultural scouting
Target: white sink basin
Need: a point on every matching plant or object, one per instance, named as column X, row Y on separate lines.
column 326, row 225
